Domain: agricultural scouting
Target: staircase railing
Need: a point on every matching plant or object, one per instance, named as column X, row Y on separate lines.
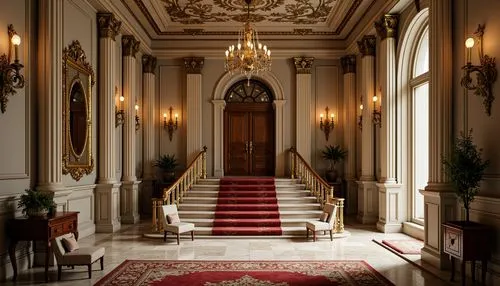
column 175, row 192
column 301, row 170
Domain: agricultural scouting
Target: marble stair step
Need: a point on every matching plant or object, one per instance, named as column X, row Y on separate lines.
column 205, row 214
column 282, row 206
column 286, row 231
column 285, row 222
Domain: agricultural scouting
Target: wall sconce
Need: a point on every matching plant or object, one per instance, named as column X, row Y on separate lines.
column 119, row 112
column 169, row 125
column 360, row 117
column 137, row 120
column 10, row 76
column 377, row 113
column 486, row 72
column 328, row 125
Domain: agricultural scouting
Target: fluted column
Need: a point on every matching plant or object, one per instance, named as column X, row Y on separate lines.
column 148, row 125
column 392, row 203
column 107, row 197
column 194, row 140
column 129, row 200
column 350, row 127
column 50, row 94
column 367, row 190
column 439, row 199
column 303, row 106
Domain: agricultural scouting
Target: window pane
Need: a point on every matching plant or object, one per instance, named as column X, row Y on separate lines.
column 421, row 64
column 420, row 147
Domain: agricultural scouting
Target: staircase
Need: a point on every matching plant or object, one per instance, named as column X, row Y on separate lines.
column 213, row 207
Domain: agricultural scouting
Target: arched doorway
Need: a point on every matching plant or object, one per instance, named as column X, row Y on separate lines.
column 249, row 130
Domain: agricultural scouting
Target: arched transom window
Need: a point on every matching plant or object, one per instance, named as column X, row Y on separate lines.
column 252, row 91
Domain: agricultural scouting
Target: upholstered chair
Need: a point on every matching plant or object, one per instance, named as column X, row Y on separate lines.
column 325, row 223
column 172, row 223
column 76, row 256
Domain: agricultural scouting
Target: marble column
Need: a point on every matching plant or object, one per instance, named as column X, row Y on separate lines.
column 392, row 199
column 107, row 197
column 350, row 128
column 194, row 114
column 367, row 190
column 129, row 199
column 148, row 124
column 219, row 106
column 303, row 106
column 439, row 199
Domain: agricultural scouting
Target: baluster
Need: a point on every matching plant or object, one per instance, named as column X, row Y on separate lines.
column 294, row 162
column 154, row 224
column 204, row 160
column 340, row 215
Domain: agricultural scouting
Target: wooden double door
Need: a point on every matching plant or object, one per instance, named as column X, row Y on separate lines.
column 249, row 139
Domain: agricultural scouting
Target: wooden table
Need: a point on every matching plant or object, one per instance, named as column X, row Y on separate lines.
column 467, row 241
column 44, row 229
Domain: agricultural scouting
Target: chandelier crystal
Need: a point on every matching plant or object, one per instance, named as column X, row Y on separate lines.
column 249, row 56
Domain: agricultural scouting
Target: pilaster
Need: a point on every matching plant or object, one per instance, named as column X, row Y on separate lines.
column 219, row 105
column 350, row 128
column 303, row 92
column 278, row 105
column 107, row 199
column 194, row 112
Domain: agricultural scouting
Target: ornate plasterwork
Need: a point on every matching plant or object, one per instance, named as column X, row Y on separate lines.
column 387, row 26
column 148, row 64
column 109, row 26
column 130, row 46
column 348, row 64
column 194, row 64
column 303, row 64
column 366, row 45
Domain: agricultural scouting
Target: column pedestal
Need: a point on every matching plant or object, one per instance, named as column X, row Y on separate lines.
column 367, row 202
column 129, row 202
column 107, row 201
column 391, row 211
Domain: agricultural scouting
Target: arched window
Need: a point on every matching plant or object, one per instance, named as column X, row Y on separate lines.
column 252, row 91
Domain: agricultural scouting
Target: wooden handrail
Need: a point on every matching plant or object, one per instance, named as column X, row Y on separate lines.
column 323, row 192
column 175, row 193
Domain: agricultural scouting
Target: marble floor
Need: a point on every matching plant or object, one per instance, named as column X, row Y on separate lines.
column 129, row 243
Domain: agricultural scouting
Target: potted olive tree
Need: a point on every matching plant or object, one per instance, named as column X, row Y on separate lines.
column 334, row 154
column 465, row 169
column 35, row 203
column 167, row 164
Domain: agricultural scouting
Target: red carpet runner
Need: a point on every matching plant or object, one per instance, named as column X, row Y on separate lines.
column 247, row 206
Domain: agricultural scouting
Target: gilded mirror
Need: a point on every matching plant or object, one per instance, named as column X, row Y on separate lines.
column 78, row 79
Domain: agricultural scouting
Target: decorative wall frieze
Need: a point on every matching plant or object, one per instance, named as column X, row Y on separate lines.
column 194, row 65
column 387, row 26
column 108, row 25
column 148, row 64
column 303, row 64
column 367, row 45
column 348, row 64
column 130, row 46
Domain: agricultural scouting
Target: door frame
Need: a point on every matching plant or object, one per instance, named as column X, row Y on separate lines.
column 223, row 85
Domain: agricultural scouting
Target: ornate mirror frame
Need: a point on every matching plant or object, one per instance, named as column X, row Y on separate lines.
column 76, row 70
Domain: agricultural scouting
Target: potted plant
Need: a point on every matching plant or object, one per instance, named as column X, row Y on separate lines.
column 167, row 164
column 36, row 203
column 465, row 168
column 334, row 154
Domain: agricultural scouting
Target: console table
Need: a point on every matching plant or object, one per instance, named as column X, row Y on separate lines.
column 42, row 228
column 467, row 240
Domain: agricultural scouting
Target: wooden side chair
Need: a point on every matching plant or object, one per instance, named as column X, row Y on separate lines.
column 324, row 223
column 172, row 223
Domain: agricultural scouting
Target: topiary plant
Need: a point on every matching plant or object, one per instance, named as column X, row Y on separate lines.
column 36, row 203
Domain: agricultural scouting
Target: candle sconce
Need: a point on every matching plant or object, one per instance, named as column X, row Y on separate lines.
column 137, row 119
column 170, row 125
column 377, row 113
column 328, row 124
column 360, row 117
column 486, row 72
column 119, row 112
column 10, row 75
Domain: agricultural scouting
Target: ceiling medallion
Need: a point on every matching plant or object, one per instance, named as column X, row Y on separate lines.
column 249, row 56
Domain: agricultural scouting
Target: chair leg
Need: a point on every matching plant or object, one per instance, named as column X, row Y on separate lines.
column 164, row 236
column 178, row 238
column 314, row 235
column 331, row 235
column 324, row 232
column 192, row 235
column 59, row 269
column 307, row 233
column 102, row 263
column 89, row 266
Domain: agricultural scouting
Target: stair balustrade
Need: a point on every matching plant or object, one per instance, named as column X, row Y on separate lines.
column 175, row 192
column 323, row 192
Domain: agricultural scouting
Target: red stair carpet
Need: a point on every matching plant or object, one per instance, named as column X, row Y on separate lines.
column 247, row 206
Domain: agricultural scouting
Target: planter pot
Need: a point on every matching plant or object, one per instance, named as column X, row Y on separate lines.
column 36, row 212
column 332, row 175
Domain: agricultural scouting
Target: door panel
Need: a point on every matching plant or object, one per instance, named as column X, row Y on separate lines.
column 237, row 143
column 262, row 124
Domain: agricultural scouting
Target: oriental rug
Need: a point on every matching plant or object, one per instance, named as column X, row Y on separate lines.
column 242, row 273
column 405, row 246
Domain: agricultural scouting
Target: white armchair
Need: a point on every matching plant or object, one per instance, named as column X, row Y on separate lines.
column 325, row 223
column 172, row 223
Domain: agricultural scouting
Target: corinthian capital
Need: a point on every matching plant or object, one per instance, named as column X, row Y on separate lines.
column 109, row 26
column 194, row 64
column 348, row 64
column 367, row 45
column 130, row 46
column 148, row 64
column 303, row 64
column 387, row 26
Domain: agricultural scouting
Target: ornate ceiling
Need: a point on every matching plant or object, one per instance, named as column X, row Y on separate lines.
column 334, row 19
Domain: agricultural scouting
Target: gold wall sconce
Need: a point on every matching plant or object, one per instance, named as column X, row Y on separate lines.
column 10, row 73
column 170, row 125
column 360, row 117
column 486, row 72
column 377, row 112
column 137, row 119
column 327, row 125
column 119, row 112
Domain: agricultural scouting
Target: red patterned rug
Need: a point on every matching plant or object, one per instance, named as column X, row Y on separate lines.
column 405, row 246
column 242, row 273
column 247, row 206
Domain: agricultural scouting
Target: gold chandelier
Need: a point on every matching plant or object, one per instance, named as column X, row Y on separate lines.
column 249, row 56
